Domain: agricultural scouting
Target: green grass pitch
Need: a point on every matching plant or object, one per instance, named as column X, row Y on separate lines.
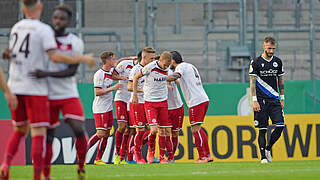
column 289, row 170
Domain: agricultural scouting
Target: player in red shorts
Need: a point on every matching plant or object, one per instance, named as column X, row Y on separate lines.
column 30, row 44
column 175, row 111
column 63, row 92
column 137, row 112
column 156, row 104
column 197, row 101
column 102, row 104
column 121, row 100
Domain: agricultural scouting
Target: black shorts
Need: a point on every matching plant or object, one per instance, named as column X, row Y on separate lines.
column 269, row 108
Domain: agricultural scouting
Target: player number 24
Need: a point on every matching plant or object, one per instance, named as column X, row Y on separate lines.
column 24, row 47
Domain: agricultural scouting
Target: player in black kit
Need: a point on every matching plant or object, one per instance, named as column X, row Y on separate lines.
column 266, row 77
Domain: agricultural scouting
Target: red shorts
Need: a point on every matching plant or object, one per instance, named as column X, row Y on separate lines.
column 32, row 108
column 138, row 115
column 103, row 121
column 176, row 118
column 197, row 113
column 157, row 113
column 121, row 111
column 71, row 109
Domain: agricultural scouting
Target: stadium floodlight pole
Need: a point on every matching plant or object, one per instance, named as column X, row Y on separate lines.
column 255, row 27
column 313, row 54
column 136, row 26
column 177, row 29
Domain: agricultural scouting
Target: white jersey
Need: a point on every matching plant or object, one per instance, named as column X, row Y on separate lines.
column 29, row 41
column 63, row 88
column 135, row 70
column 102, row 79
column 191, row 84
column 174, row 98
column 123, row 69
column 155, row 87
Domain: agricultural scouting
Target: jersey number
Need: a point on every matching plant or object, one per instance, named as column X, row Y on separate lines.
column 196, row 73
column 24, row 47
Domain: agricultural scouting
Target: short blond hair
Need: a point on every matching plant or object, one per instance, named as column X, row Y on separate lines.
column 106, row 55
column 147, row 50
column 166, row 55
column 29, row 5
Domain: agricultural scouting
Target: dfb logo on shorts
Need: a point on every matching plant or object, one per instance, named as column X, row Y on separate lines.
column 140, row 123
column 105, row 125
column 154, row 120
column 122, row 117
column 256, row 123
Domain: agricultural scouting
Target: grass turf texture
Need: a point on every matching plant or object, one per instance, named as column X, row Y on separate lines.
column 304, row 170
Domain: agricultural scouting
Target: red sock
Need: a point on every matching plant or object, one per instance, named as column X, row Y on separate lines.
column 118, row 141
column 205, row 142
column 37, row 154
column 175, row 142
column 93, row 140
column 81, row 146
column 101, row 147
column 138, row 144
column 145, row 137
column 124, row 147
column 12, row 147
column 130, row 145
column 47, row 160
column 199, row 143
column 162, row 146
column 169, row 147
column 152, row 142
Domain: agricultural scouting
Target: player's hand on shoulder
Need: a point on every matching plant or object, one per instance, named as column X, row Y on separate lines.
column 256, row 106
column 125, row 77
column 6, row 54
column 88, row 59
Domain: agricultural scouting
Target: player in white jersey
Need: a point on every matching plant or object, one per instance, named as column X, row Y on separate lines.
column 102, row 104
column 63, row 92
column 197, row 101
column 31, row 42
column 156, row 104
column 121, row 100
column 137, row 112
column 175, row 111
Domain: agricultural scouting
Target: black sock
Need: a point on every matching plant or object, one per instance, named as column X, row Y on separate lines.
column 262, row 142
column 275, row 135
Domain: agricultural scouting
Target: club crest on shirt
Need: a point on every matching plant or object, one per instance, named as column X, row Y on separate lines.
column 275, row 64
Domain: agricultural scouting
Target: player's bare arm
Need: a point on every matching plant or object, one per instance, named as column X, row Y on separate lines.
column 135, row 87
column 130, row 87
column 11, row 98
column 100, row 91
column 62, row 58
column 70, row 71
column 281, row 89
column 6, row 54
column 173, row 77
column 115, row 76
column 255, row 104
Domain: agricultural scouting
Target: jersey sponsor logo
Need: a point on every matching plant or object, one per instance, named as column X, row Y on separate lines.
column 270, row 72
column 160, row 79
column 256, row 123
column 129, row 67
column 275, row 64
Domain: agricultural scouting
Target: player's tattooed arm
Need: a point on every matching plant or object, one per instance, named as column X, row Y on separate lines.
column 255, row 104
column 281, row 85
column 173, row 77
column 281, row 89
column 70, row 71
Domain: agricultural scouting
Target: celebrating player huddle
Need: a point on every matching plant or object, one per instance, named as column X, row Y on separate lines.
column 148, row 103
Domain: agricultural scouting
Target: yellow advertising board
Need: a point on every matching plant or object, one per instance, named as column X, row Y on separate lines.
column 234, row 138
